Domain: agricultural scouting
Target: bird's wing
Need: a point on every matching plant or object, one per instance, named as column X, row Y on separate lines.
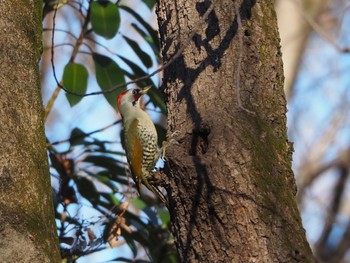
column 134, row 152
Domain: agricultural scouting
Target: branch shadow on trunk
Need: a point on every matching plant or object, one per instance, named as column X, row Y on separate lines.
column 199, row 144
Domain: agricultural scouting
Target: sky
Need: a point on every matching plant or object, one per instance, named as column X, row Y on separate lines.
column 318, row 122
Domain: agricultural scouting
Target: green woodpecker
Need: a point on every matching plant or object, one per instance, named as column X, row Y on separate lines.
column 141, row 138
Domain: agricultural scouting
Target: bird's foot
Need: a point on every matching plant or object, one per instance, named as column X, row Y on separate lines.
column 151, row 180
column 170, row 141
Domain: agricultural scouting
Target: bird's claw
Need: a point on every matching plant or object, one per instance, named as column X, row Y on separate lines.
column 167, row 143
column 174, row 134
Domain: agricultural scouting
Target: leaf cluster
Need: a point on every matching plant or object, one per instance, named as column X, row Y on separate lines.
column 94, row 198
column 102, row 24
column 93, row 181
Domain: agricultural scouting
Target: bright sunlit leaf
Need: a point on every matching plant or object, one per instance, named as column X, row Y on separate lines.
column 164, row 216
column 75, row 77
column 105, row 18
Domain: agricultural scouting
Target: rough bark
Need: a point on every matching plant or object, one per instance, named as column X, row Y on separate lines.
column 231, row 187
column 27, row 228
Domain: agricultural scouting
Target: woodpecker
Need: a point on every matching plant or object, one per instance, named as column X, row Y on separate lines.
column 142, row 151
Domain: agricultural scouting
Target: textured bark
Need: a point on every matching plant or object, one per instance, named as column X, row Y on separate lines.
column 231, row 187
column 27, row 228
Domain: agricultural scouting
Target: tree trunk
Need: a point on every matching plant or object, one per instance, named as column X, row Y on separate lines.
column 27, row 227
column 231, row 187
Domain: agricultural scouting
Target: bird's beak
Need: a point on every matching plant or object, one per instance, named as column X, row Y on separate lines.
column 145, row 90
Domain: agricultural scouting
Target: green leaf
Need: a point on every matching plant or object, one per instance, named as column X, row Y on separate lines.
column 138, row 72
column 149, row 40
column 157, row 99
column 152, row 215
column 77, row 136
column 122, row 259
column 154, row 94
column 164, row 216
column 132, row 246
column 108, row 74
column 149, row 3
column 139, row 203
column 105, row 18
column 145, row 58
column 75, row 77
column 151, row 31
column 87, row 189
column 111, row 164
column 106, row 181
column 116, row 176
column 115, row 201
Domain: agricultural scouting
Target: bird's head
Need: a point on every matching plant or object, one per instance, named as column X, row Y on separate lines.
column 131, row 97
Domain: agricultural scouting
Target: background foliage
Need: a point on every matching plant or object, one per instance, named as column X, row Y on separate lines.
column 315, row 48
column 91, row 49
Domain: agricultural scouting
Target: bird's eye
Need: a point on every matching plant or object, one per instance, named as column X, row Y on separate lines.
column 135, row 91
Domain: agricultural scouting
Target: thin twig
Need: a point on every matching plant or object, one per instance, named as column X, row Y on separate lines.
column 73, row 36
column 317, row 28
column 51, row 101
column 47, row 29
column 83, row 135
column 74, row 53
